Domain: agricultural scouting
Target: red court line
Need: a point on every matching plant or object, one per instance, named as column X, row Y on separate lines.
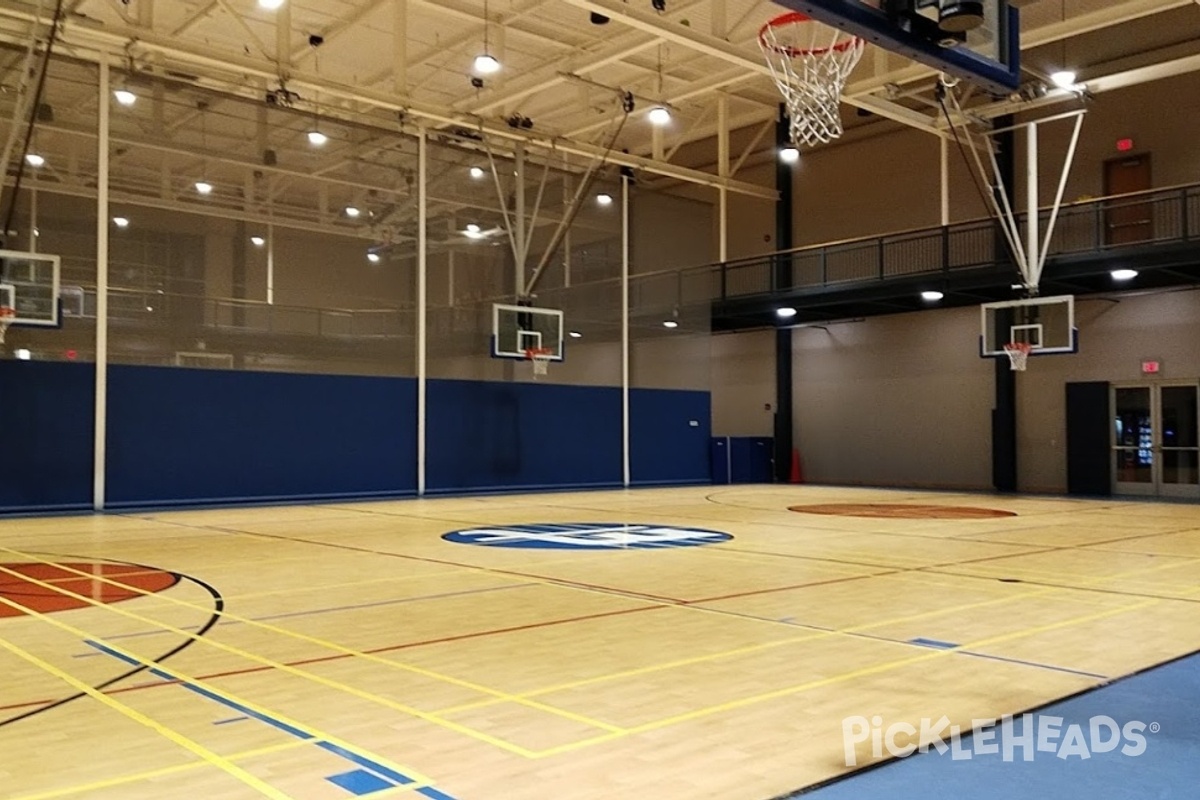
column 373, row 651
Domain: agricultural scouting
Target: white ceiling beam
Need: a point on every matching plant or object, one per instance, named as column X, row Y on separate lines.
column 200, row 13
column 400, row 46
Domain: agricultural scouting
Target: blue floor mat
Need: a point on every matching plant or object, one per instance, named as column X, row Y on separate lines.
column 1166, row 699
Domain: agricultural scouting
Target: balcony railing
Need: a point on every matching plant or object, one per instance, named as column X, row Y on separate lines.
column 1093, row 227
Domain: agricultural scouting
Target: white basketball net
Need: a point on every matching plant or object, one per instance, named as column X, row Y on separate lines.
column 810, row 63
column 541, row 361
column 1018, row 355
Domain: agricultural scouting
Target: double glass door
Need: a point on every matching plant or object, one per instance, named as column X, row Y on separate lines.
column 1156, row 440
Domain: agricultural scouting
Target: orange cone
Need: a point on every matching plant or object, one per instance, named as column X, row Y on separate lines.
column 797, row 475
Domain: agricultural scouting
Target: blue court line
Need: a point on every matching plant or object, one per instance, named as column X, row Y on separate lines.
column 379, row 770
column 360, row 782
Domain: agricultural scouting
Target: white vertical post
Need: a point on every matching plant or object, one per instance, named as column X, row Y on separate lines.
column 626, row 476
column 33, row 217
column 422, row 265
column 722, row 168
column 945, row 162
column 100, row 440
column 270, row 263
column 522, row 251
column 1031, row 202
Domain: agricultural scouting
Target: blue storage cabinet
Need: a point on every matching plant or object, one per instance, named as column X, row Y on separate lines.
column 742, row 459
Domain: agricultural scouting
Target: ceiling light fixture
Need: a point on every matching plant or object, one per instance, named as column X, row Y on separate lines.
column 1124, row 274
column 787, row 312
column 121, row 222
column 485, row 62
column 34, row 160
column 257, row 241
column 1063, row 79
column 204, row 187
column 270, row 5
column 125, row 97
column 604, row 199
column 316, row 138
column 575, row 335
column 659, row 115
column 374, row 258
column 353, row 212
column 789, row 154
column 476, row 172
column 932, row 296
column 670, row 323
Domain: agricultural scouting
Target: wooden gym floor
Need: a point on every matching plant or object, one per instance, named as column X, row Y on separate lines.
column 336, row 651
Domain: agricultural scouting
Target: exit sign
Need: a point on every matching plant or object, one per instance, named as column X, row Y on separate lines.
column 1124, row 145
column 1151, row 367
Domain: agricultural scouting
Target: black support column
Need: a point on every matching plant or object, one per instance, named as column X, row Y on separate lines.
column 782, row 280
column 1004, row 415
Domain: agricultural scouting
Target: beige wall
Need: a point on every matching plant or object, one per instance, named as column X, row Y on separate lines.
column 901, row 400
column 743, row 384
column 1115, row 337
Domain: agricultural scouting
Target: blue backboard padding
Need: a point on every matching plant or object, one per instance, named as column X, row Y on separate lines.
column 664, row 446
column 191, row 436
column 491, row 436
column 873, row 25
column 46, row 409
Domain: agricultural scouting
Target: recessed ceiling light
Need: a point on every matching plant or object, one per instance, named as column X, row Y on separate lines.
column 670, row 324
column 353, row 212
column 316, row 138
column 785, row 313
column 604, row 199
column 789, row 155
column 125, row 97
column 659, row 115
column 204, row 187
column 486, row 64
column 1124, row 274
column 35, row 160
column 932, row 296
column 374, row 258
column 270, row 5
column 257, row 241
column 121, row 222
column 476, row 172
column 1063, row 79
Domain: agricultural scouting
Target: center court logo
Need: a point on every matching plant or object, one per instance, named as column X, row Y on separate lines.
column 587, row 536
column 1012, row 739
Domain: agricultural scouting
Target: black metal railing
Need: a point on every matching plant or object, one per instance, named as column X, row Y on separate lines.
column 1143, row 219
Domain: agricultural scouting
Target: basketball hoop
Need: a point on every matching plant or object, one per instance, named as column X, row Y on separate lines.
column 1018, row 355
column 7, row 316
column 810, row 63
column 540, row 357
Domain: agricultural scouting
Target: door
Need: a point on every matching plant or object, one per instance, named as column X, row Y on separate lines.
column 1156, row 444
column 1127, row 221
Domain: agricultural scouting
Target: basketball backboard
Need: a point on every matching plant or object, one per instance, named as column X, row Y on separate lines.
column 1046, row 324
column 518, row 329
column 974, row 41
column 34, row 282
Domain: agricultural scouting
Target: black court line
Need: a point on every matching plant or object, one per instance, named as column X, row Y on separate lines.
column 214, row 617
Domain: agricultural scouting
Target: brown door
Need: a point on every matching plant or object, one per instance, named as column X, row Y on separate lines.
column 1127, row 221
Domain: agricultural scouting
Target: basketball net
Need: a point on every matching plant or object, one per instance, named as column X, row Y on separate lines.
column 7, row 315
column 540, row 357
column 1018, row 355
column 810, row 63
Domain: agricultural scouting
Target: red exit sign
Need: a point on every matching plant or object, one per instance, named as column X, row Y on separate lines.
column 1151, row 367
column 1124, row 145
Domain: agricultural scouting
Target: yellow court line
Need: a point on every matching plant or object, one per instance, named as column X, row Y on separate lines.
column 835, row 679
column 180, row 677
column 233, row 770
column 162, row 772
column 337, row 685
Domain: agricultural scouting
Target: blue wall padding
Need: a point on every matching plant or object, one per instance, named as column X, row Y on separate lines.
column 488, row 436
column 180, row 436
column 665, row 446
column 46, row 410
